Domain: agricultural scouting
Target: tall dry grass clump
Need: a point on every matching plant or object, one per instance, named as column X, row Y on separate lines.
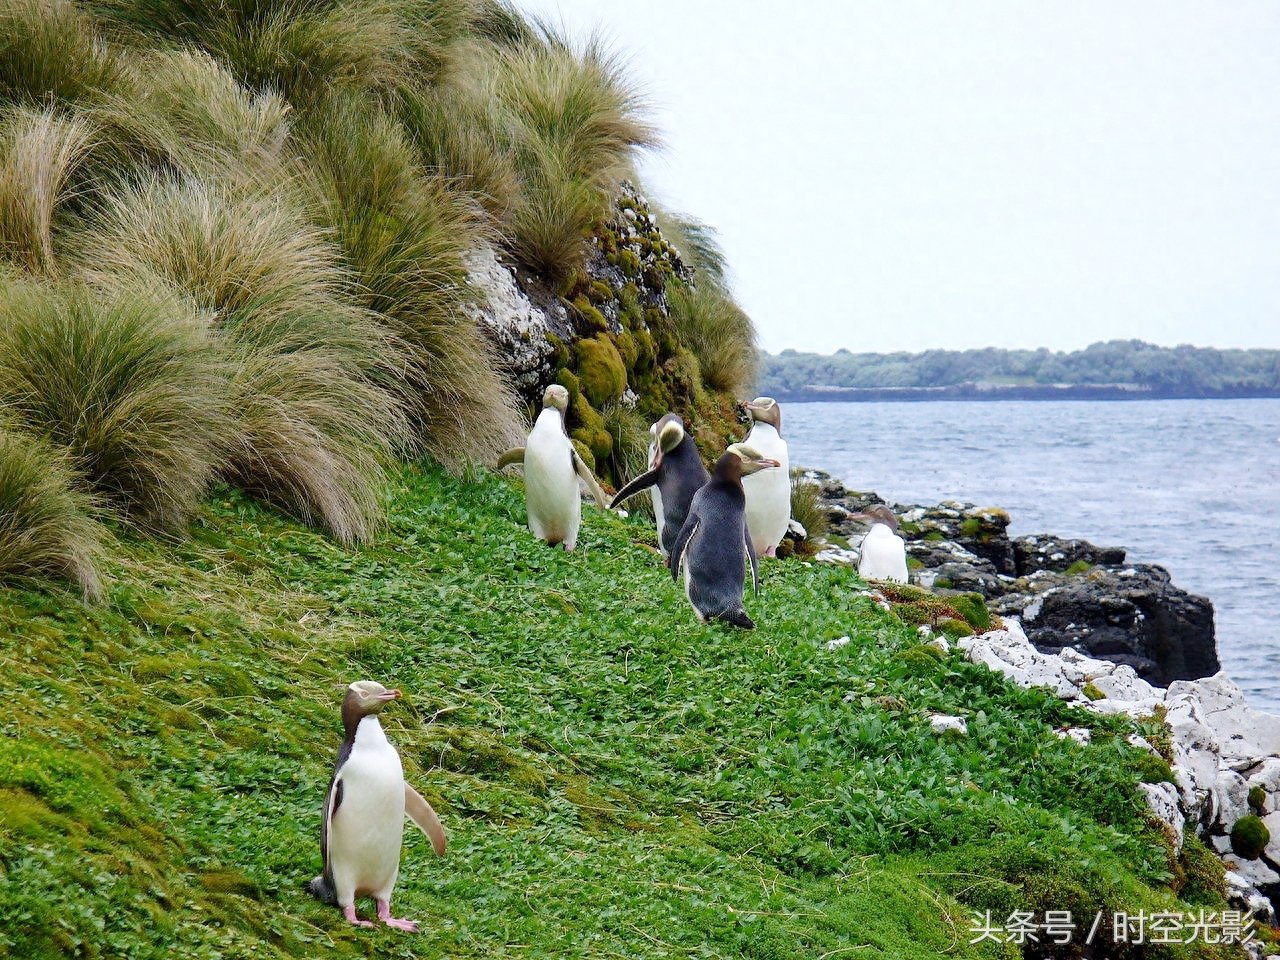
column 50, row 51
column 719, row 333
column 130, row 384
column 306, row 49
column 184, row 110
column 404, row 235
column 314, row 378
column 40, row 152
column 573, row 122
column 46, row 525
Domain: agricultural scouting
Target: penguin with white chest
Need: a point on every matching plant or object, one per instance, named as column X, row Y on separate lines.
column 551, row 471
column 676, row 473
column 884, row 553
column 769, row 492
column 714, row 545
column 364, row 810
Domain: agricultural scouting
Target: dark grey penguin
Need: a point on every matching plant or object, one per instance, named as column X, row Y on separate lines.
column 714, row 544
column 677, row 473
column 364, row 811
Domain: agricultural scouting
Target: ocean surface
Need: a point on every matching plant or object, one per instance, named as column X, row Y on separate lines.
column 1192, row 485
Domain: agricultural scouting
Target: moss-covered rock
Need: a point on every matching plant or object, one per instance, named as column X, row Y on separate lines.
column 1249, row 837
column 628, row 349
column 591, row 318
column 973, row 608
column 1258, row 800
column 601, row 370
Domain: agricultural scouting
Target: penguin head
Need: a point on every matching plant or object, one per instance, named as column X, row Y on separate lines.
column 556, row 396
column 766, row 410
column 750, row 460
column 365, row 697
column 670, row 432
column 879, row 513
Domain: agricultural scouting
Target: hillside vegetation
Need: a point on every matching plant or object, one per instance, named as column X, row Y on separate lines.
column 1183, row 371
column 234, row 242
column 616, row 779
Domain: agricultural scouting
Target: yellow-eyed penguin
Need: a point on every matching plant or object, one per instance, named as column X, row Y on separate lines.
column 364, row 811
column 714, row 545
column 884, row 553
column 768, row 492
column 676, row 473
column 551, row 471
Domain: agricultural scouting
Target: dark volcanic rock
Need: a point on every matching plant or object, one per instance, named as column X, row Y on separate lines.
column 1131, row 615
column 1043, row 551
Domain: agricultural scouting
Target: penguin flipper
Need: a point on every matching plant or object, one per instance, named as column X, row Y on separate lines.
column 420, row 813
column 676, row 557
column 514, row 455
column 755, row 563
column 642, row 482
column 589, row 478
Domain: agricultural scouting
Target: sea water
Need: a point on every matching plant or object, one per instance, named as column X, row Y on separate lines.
column 1192, row 485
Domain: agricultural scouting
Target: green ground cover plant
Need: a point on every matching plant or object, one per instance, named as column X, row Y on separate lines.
column 616, row 779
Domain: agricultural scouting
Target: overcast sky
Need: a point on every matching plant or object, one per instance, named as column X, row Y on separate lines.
column 898, row 175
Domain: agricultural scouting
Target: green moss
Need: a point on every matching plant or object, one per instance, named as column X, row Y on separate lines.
column 570, row 382
column 629, row 312
column 601, row 371
column 933, row 536
column 628, row 262
column 1091, row 691
column 973, row 607
column 909, row 528
column 589, row 428
column 1151, row 768
column 1079, row 567
column 919, row 660
column 1249, row 837
column 1204, row 880
column 592, row 318
column 599, row 292
column 628, row 349
column 1258, row 800
column 970, row 527
column 956, row 628
column 561, row 355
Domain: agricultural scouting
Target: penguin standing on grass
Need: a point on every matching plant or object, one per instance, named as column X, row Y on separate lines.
column 364, row 811
column 884, row 553
column 551, row 471
column 676, row 473
column 769, row 492
column 714, row 545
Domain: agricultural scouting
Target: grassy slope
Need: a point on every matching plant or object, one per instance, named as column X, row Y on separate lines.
column 617, row 780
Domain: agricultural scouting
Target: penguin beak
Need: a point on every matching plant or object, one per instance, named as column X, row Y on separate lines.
column 768, row 463
column 389, row 695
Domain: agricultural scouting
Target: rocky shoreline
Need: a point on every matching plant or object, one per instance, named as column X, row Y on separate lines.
column 1111, row 637
column 1066, row 593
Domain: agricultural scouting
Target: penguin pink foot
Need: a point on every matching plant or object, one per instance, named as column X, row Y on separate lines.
column 771, row 551
column 350, row 914
column 384, row 914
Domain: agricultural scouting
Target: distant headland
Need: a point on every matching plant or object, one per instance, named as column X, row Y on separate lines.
column 1115, row 370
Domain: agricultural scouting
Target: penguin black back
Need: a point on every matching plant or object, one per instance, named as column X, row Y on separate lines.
column 678, row 474
column 714, row 545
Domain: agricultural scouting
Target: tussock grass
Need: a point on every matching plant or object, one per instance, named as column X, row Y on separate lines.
column 630, row 434
column 456, row 137
column 50, row 50
column 807, row 505
column 129, row 384
column 307, row 48
column 46, row 526
column 697, row 244
column 39, row 154
column 719, row 333
column 315, row 395
column 404, row 234
column 575, row 121
column 184, row 110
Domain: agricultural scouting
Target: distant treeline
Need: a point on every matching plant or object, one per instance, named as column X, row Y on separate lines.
column 1117, row 369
